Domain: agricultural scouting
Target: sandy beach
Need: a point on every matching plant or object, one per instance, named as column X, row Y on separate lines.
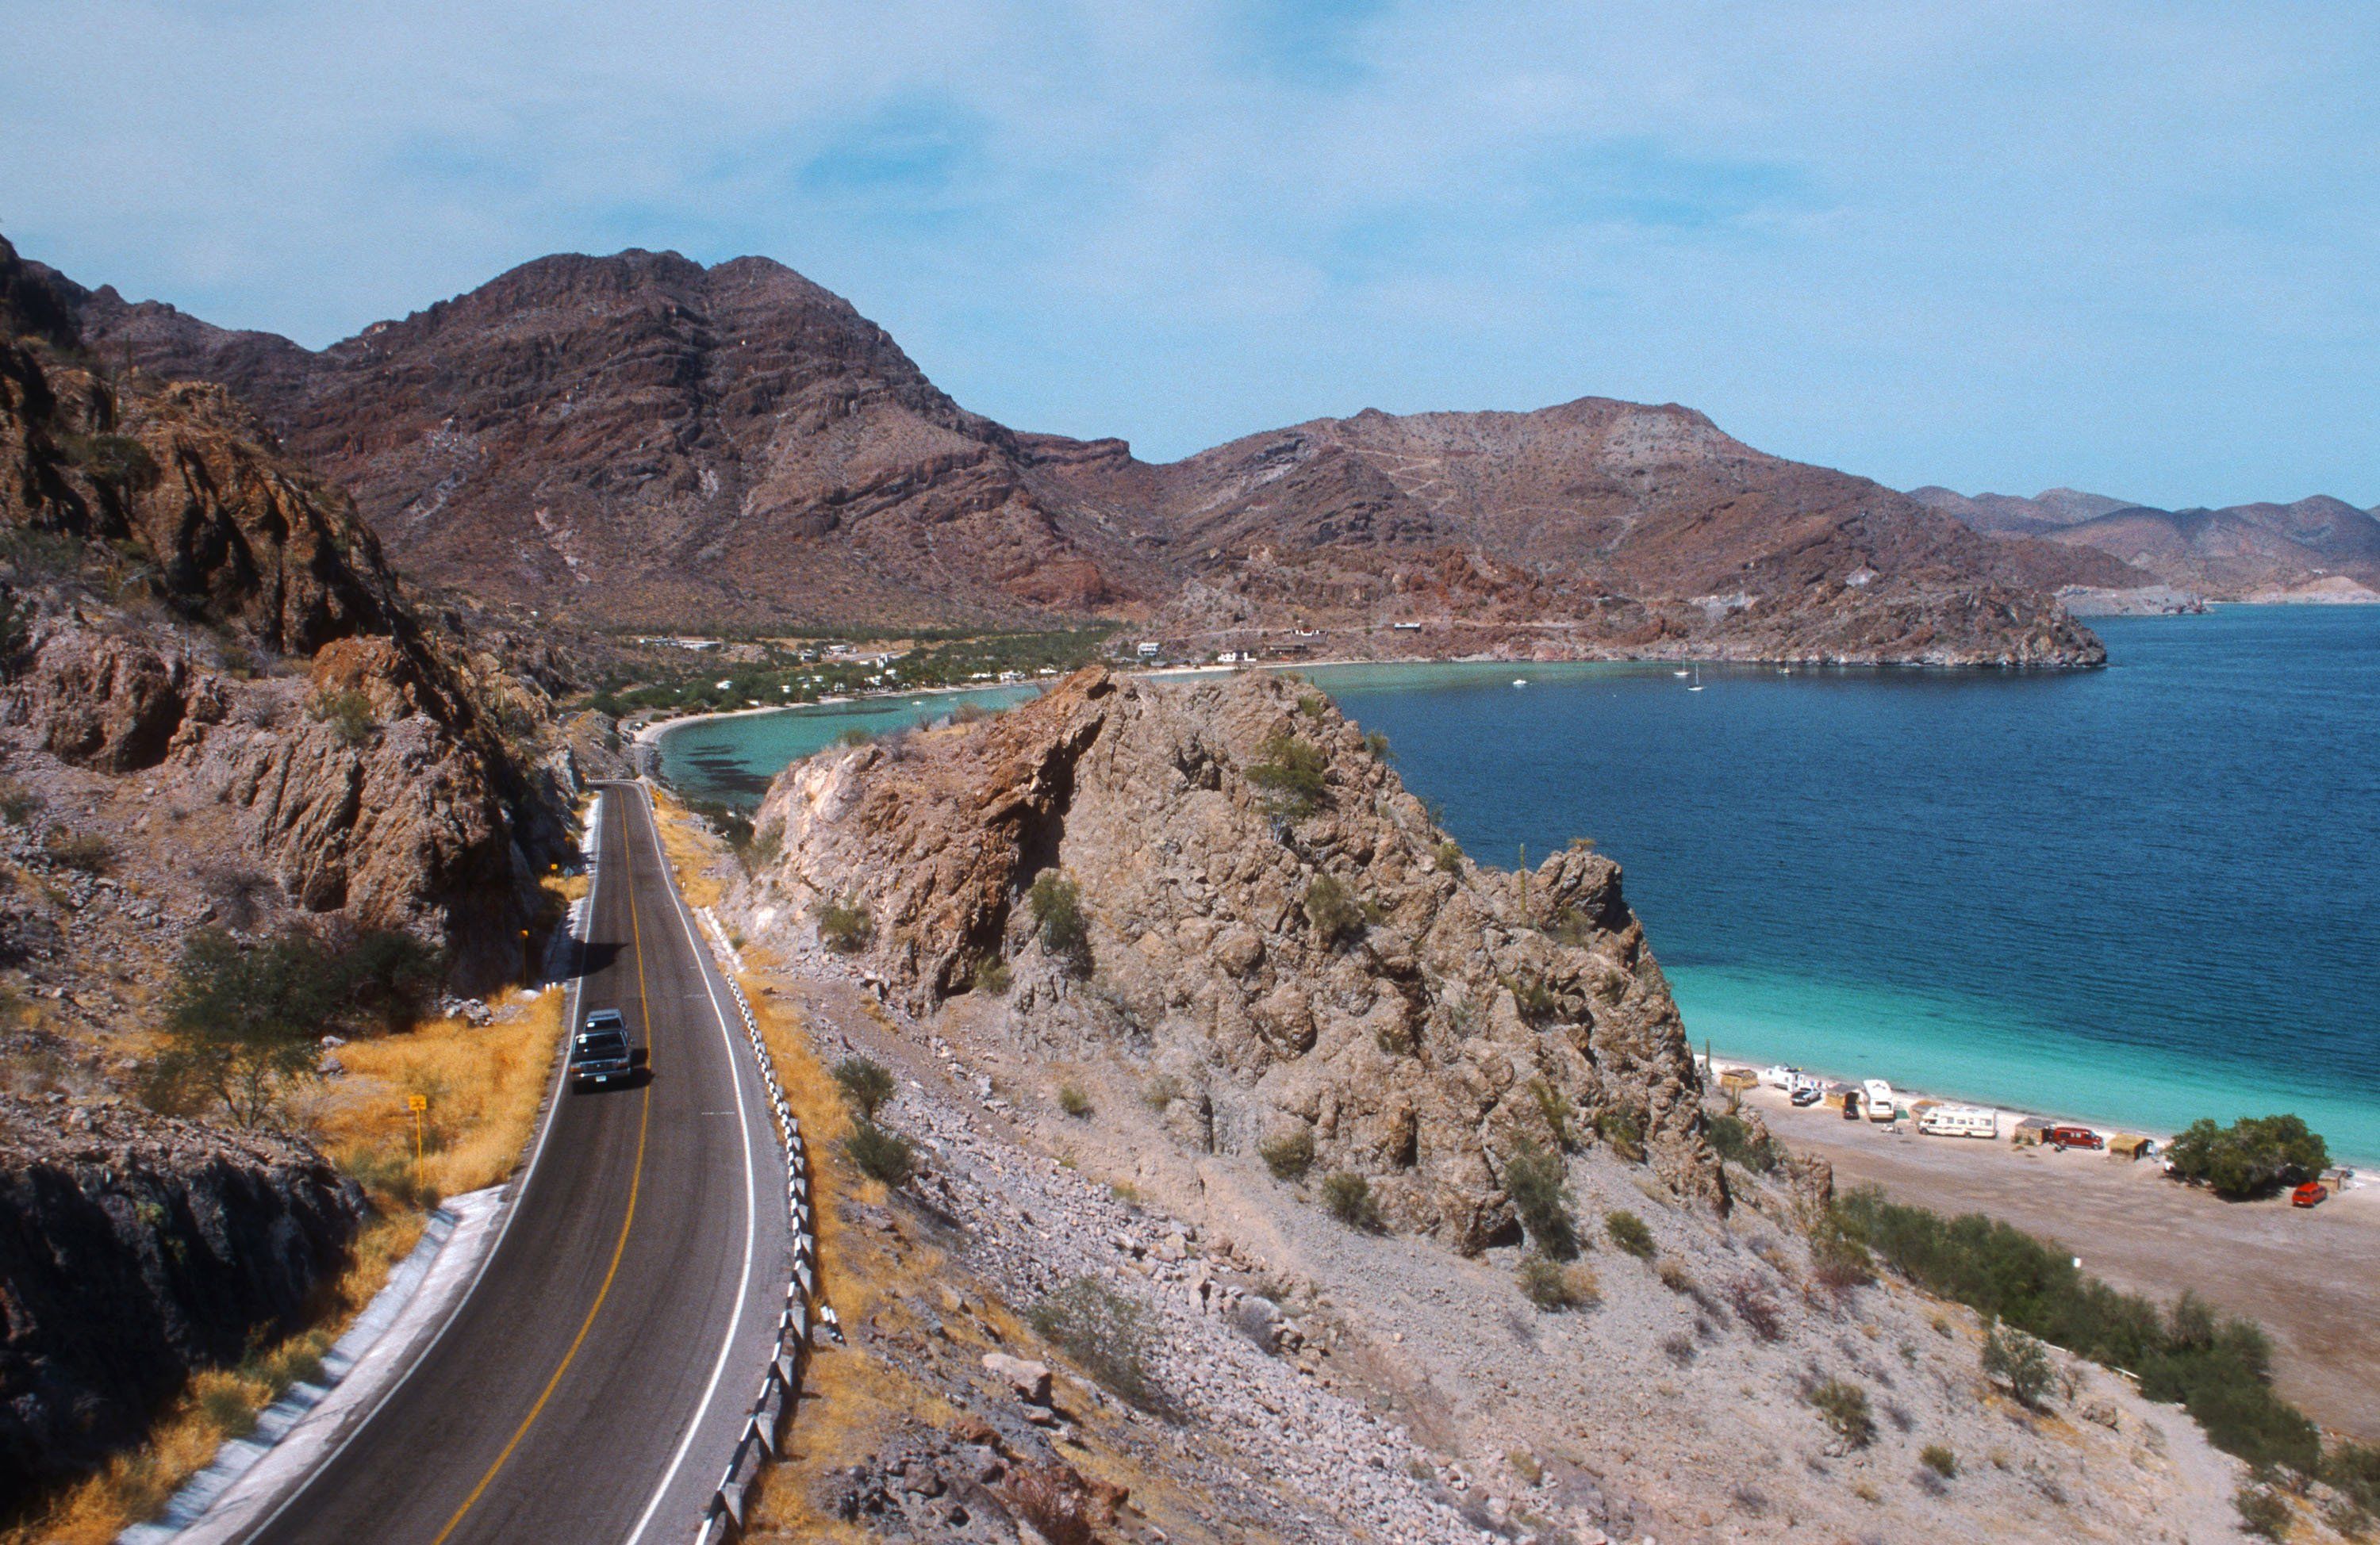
column 2310, row 1276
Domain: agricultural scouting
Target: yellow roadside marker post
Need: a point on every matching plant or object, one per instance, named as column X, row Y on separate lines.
column 416, row 1103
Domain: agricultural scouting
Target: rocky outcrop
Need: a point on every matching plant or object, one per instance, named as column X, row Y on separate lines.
column 133, row 1249
column 1309, row 960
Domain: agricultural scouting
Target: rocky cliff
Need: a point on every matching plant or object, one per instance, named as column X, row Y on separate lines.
column 638, row 439
column 133, row 1249
column 1273, row 922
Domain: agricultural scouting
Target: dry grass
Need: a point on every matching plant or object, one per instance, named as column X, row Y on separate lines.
column 484, row 1088
column 695, row 857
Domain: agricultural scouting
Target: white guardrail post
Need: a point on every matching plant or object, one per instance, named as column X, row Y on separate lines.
column 781, row 1384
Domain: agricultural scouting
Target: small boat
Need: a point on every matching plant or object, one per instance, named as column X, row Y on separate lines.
column 1520, row 680
column 1678, row 674
column 1698, row 679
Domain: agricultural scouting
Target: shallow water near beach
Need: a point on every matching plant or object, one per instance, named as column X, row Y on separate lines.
column 2139, row 895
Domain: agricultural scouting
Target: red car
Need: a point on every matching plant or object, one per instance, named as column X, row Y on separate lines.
column 2063, row 1137
column 2314, row 1193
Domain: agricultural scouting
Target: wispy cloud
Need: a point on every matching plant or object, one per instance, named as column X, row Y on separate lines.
column 2007, row 244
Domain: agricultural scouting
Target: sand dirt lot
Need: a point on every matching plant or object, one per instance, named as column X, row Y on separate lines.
column 2310, row 1276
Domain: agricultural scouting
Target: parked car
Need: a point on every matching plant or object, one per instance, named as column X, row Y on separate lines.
column 2063, row 1137
column 2314, row 1193
column 1879, row 1104
column 1806, row 1095
column 1959, row 1121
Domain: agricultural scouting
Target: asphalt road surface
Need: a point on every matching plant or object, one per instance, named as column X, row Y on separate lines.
column 589, row 1385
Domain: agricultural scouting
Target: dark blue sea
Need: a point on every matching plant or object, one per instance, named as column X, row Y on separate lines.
column 2137, row 894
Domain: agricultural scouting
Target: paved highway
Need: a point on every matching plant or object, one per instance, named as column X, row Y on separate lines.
column 589, row 1385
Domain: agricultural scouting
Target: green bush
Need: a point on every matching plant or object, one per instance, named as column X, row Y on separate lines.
column 1628, row 1231
column 109, row 458
column 2263, row 1513
column 1533, row 1000
column 2254, row 1157
column 2219, row 1370
column 2018, row 1361
column 867, row 1085
column 854, row 737
column 1736, row 1140
column 1377, row 743
column 992, row 976
column 349, row 715
column 1554, row 1109
column 1291, row 771
column 1938, row 1458
column 1312, row 704
column 1057, row 904
column 1106, row 1334
column 1348, row 1197
column 1844, row 1408
column 1623, row 1127
column 1449, row 857
column 1073, row 1101
column 844, row 927
column 880, row 1154
column 1331, row 911
column 1289, row 1154
column 1539, row 1189
column 16, row 802
column 86, row 851
column 2354, row 1470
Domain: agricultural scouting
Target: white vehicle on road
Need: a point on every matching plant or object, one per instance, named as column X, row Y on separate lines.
column 1960, row 1121
column 1877, row 1099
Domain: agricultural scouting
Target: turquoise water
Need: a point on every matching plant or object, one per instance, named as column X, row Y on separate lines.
column 733, row 759
column 2139, row 895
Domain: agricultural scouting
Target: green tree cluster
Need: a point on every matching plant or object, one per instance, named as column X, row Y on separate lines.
column 2254, row 1157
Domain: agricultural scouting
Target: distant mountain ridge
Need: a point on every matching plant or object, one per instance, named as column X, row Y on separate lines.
column 2233, row 553
column 640, row 441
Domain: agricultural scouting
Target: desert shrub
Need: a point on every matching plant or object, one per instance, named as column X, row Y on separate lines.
column 1622, row 1127
column 1554, row 1109
column 1053, row 1499
column 1348, row 1197
column 1843, row 1406
column 1312, row 704
column 2254, row 1157
column 2219, row 1370
column 846, row 927
column 1106, row 1334
column 1938, row 1458
column 349, row 715
column 1739, row 1142
column 1755, row 1307
column 854, row 737
column 1331, row 911
column 992, row 976
column 1291, row 772
column 881, row 1156
column 16, row 803
column 2263, row 1513
column 1628, row 1231
column 86, row 851
column 866, row 1085
column 2018, row 1361
column 2354, row 1470
column 1533, row 1000
column 1377, row 743
column 1679, row 1347
column 1554, row 1286
column 1160, row 1092
column 110, row 458
column 1289, row 1154
column 1838, row 1259
column 1073, row 1101
column 1057, row 904
column 1449, row 857
column 1539, row 1189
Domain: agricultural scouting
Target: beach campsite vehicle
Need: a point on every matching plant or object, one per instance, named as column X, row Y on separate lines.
column 2064, row 1137
column 1850, row 1106
column 1878, row 1102
column 1779, row 1075
column 1959, row 1121
column 2130, row 1145
column 2314, row 1193
column 2031, row 1132
column 1806, row 1095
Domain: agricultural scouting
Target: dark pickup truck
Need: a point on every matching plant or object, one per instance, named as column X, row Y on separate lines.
column 600, row 1054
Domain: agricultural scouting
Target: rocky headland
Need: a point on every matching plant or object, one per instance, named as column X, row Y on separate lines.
column 1188, row 998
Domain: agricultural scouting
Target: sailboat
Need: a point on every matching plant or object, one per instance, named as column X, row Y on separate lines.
column 1698, row 679
column 1678, row 674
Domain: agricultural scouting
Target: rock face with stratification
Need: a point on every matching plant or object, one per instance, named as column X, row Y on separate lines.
column 1327, row 970
column 134, row 1249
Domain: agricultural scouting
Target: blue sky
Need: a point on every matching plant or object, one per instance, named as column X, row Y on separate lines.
column 2130, row 247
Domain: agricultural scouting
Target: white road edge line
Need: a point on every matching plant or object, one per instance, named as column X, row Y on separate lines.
column 751, row 1195
column 528, row 1174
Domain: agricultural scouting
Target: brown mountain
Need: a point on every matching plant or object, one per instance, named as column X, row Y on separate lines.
column 2227, row 554
column 640, row 441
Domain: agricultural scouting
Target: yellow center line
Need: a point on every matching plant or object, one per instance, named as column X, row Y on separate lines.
column 619, row 1248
